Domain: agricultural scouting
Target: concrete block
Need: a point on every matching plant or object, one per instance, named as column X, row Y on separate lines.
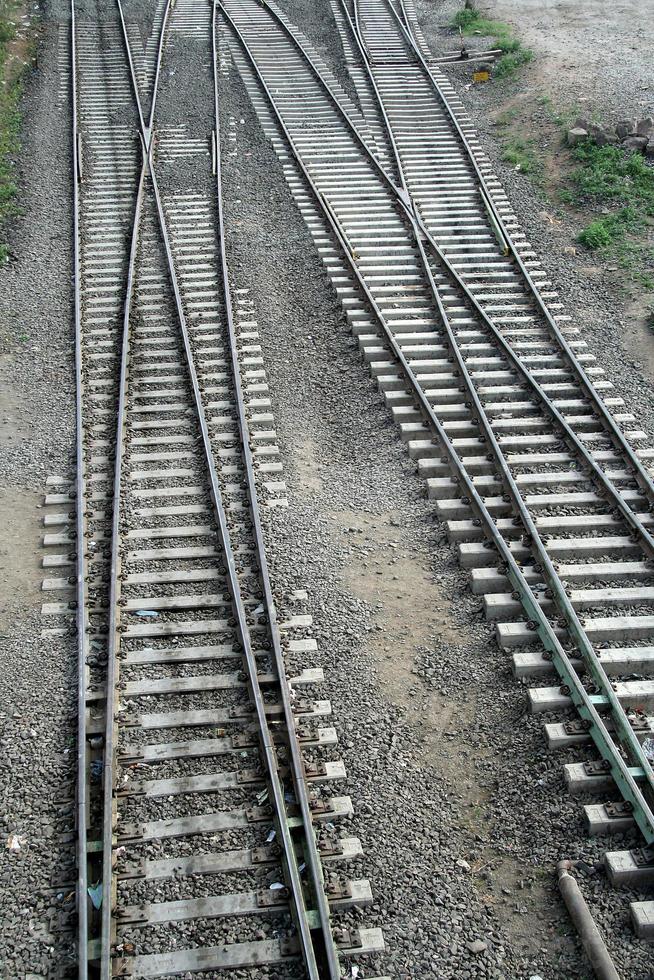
column 630, row 869
column 558, row 737
column 578, row 780
column 642, row 917
column 603, row 819
column 576, row 135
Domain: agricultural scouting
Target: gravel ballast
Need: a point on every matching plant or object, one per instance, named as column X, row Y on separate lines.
column 37, row 709
column 461, row 810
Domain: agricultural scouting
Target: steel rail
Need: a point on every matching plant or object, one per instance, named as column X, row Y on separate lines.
column 379, row 167
column 565, row 606
column 113, row 646
column 297, row 761
column 114, row 602
column 146, row 128
column 404, row 13
column 267, row 744
column 109, row 771
column 356, row 21
column 559, row 594
column 643, row 476
column 82, row 801
column 580, row 697
column 268, row 748
column 558, row 591
column 365, row 55
column 412, row 215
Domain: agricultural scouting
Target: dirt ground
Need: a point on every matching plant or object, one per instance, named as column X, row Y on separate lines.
column 587, row 51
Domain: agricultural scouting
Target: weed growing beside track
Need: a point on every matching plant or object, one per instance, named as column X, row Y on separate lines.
column 11, row 69
column 520, row 153
column 607, row 177
column 608, row 189
column 514, row 55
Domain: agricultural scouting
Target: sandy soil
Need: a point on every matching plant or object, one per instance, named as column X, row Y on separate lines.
column 587, row 51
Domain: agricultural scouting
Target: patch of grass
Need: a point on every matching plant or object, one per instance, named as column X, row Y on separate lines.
column 10, row 89
column 560, row 117
column 470, row 21
column 508, row 64
column 610, row 230
column 601, row 232
column 637, row 260
column 616, row 235
column 610, row 178
column 514, row 55
column 595, row 235
column 609, row 175
column 521, row 155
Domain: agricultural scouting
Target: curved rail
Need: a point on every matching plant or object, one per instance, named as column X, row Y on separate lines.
column 625, row 731
column 583, row 701
column 617, row 437
column 328, row 951
column 419, row 231
column 109, row 770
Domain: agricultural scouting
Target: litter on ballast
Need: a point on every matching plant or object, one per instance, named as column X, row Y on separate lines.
column 271, row 836
column 95, row 894
column 15, row 842
column 147, row 613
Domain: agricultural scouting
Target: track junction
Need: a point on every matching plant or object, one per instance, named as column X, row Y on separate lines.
column 201, row 763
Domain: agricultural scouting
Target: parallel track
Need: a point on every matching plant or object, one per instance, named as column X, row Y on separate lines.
column 189, row 679
column 538, row 479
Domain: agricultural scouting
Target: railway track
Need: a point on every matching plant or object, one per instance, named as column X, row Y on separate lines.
column 207, row 822
column 542, row 476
